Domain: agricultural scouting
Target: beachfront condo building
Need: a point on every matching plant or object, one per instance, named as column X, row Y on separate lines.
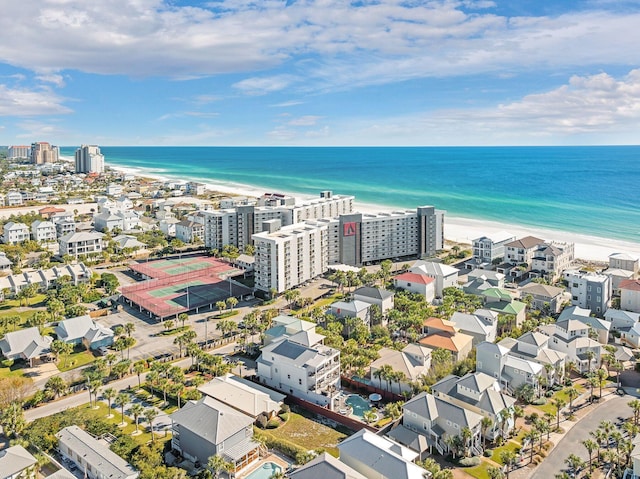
column 551, row 259
column 288, row 256
column 89, row 159
column 589, row 290
column 19, row 151
column 43, row 152
column 353, row 239
column 236, row 226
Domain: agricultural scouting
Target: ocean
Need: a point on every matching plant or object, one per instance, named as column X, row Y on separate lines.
column 591, row 190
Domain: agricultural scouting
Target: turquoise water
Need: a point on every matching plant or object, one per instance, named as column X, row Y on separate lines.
column 359, row 405
column 592, row 190
column 265, row 471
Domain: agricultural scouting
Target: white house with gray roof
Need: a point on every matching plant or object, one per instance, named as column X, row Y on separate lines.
column 92, row 457
column 377, row 457
column 482, row 324
column 512, row 372
column 81, row 243
column 207, row 427
column 15, row 233
column 543, row 297
column 325, row 466
column 27, row 344
column 489, row 248
column 84, row 330
column 16, row 462
column 43, row 231
column 286, row 326
column 624, row 261
column 534, row 346
column 571, row 337
column 309, row 372
column 414, row 361
column 445, row 276
column 378, row 296
column 599, row 328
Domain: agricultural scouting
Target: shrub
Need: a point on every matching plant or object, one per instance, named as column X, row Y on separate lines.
column 284, row 416
column 469, row 461
column 285, row 409
column 7, row 363
column 285, row 447
column 273, row 424
column 488, row 453
column 539, row 401
column 261, row 421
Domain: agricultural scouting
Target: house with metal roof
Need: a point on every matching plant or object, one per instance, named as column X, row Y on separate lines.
column 286, row 326
column 309, row 372
column 344, row 310
column 243, row 395
column 416, row 283
column 378, row 296
column 534, row 346
column 445, row 276
column 571, row 336
column 81, row 243
column 624, row 261
column 207, row 427
column 27, row 344
column 325, row 466
column 599, row 327
column 502, row 302
column 15, row 462
column 482, row 324
column 92, row 456
column 543, row 297
column 511, row 371
column 376, row 456
column 84, row 330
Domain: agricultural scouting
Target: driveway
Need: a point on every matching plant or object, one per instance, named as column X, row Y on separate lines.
column 609, row 410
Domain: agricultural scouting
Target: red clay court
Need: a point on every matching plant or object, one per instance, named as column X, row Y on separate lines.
column 178, row 285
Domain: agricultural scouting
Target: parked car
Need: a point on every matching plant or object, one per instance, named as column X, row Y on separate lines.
column 103, row 351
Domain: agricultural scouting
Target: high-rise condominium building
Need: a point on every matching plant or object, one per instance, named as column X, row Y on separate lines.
column 89, row 159
column 43, row 152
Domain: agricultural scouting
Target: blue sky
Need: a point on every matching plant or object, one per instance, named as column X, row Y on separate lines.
column 320, row 72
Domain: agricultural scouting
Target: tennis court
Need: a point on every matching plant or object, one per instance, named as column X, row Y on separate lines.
column 180, row 285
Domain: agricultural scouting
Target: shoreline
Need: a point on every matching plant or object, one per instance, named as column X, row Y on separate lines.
column 457, row 229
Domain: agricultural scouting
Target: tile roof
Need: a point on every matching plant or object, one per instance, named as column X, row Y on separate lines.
column 630, row 284
column 417, row 278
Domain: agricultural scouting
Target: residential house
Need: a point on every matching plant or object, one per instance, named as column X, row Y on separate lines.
column 79, row 244
column 545, row 298
column 633, row 472
column 621, row 319
column 43, row 231
column 15, row 233
column 84, row 330
column 325, row 466
column 589, row 290
column 617, row 276
column 246, row 262
column 512, row 372
column 284, row 326
column 444, row 334
column 92, row 456
column 624, row 261
column 378, row 296
column 502, row 302
column 27, row 344
column 630, row 295
column 168, row 226
column 519, row 256
column 306, row 371
column 377, row 457
column 64, row 223
column 630, row 336
column 410, row 364
column 189, row 231
column 551, row 259
column 599, row 328
column 245, row 396
column 571, row 336
column 130, row 219
column 16, row 462
column 61, row 474
column 344, row 310
column 445, row 276
column 480, row 280
column 416, row 283
column 534, row 347
column 482, row 324
column 48, row 211
column 207, row 427
column 489, row 249
column 107, row 221
column 5, row 263
column 13, row 198
column 128, row 242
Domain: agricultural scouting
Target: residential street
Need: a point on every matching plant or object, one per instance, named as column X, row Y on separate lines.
column 609, row 410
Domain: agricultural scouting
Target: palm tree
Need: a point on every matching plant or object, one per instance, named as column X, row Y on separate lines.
column 558, row 403
column 466, row 434
column 129, row 328
column 635, row 407
column 495, row 472
column 590, row 355
column 183, row 317
column 485, row 424
column 508, row 458
column 149, row 415
column 56, row 385
column 531, row 437
column 221, row 305
column 216, row 464
column 121, row 400
column 590, row 446
column 385, row 372
column 138, row 368
column 232, row 302
column 109, row 394
column 572, row 393
column 137, row 410
column 574, row 462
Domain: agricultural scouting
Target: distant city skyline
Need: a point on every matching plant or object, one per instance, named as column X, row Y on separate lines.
column 320, row 72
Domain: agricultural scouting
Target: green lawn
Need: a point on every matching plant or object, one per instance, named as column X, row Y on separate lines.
column 548, row 406
column 508, row 446
column 75, row 360
column 479, row 471
column 103, row 411
column 308, row 434
column 16, row 370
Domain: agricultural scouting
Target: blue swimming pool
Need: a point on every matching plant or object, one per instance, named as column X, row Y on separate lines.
column 358, row 404
column 265, row 471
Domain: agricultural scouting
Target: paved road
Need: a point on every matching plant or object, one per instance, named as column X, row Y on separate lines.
column 609, row 410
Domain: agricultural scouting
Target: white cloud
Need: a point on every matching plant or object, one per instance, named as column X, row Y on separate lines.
column 286, row 104
column 263, row 85
column 327, row 43
column 39, row 129
column 55, row 79
column 307, row 120
column 23, row 102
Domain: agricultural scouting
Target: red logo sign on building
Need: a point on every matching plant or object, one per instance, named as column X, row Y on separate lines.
column 349, row 229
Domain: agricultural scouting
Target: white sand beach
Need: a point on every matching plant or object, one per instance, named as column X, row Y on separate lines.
column 461, row 230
